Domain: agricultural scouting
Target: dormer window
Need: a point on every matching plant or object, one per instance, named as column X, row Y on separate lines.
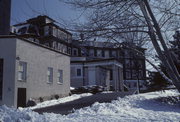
column 46, row 30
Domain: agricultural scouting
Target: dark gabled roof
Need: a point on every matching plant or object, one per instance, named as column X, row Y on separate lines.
column 19, row 24
column 39, row 18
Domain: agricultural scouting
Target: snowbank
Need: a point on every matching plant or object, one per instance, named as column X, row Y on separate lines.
column 143, row 107
column 58, row 101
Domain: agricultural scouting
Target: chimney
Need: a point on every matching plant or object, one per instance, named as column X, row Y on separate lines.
column 5, row 13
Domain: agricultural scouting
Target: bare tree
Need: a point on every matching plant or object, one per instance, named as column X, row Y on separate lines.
column 142, row 19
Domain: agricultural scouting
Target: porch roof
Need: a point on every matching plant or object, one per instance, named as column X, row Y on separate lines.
column 100, row 62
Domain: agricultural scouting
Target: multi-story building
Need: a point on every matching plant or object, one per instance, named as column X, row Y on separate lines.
column 34, row 62
column 29, row 70
column 43, row 31
column 130, row 57
column 92, row 63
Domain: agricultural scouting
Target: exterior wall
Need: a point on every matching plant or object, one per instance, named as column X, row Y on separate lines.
column 38, row 60
column 8, row 53
column 92, row 75
column 98, row 73
column 76, row 81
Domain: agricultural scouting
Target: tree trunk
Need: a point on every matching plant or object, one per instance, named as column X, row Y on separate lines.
column 153, row 30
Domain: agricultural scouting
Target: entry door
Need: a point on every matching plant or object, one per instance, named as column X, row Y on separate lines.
column 1, row 78
column 92, row 75
column 21, row 100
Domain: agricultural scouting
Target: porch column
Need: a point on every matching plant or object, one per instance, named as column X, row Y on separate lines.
column 115, row 78
column 121, row 82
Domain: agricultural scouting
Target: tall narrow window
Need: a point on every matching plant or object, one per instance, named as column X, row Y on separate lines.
column 60, row 76
column 50, row 75
column 75, row 52
column 79, row 72
column 1, row 78
column 22, row 69
column 103, row 53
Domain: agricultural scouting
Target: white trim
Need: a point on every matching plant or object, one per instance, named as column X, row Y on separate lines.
column 105, row 64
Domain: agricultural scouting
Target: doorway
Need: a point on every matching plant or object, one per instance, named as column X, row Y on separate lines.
column 21, row 100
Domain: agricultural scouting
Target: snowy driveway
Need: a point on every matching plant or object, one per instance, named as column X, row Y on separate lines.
column 68, row 107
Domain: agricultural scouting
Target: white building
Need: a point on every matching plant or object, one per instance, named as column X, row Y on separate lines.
column 97, row 72
column 31, row 70
column 130, row 72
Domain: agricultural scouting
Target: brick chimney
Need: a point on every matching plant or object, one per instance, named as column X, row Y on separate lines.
column 5, row 13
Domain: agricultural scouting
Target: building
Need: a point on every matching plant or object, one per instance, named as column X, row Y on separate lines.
column 29, row 70
column 42, row 30
column 34, row 62
column 92, row 63
column 129, row 70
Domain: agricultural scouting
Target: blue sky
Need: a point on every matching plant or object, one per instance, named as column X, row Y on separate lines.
column 22, row 10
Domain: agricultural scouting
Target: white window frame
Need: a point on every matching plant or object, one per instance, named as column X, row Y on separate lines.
column 49, row 75
column 60, row 76
column 22, row 71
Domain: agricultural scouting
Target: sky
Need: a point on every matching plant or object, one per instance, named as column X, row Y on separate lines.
column 21, row 10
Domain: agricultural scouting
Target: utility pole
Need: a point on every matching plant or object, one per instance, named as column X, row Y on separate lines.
column 5, row 15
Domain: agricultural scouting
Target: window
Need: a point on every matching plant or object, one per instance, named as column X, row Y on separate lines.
column 128, row 74
column 103, row 53
column 141, row 74
column 69, row 50
column 60, row 76
column 110, row 53
column 99, row 53
column 75, row 52
column 22, row 71
column 91, row 52
column 127, row 63
column 113, row 54
column 134, row 74
column 79, row 72
column 54, row 45
column 46, row 30
column 111, row 74
column 50, row 75
column 95, row 52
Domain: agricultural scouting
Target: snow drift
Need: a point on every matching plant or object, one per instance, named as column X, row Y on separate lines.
column 142, row 107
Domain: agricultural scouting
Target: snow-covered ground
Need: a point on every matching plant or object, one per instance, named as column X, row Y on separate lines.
column 134, row 108
column 58, row 101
